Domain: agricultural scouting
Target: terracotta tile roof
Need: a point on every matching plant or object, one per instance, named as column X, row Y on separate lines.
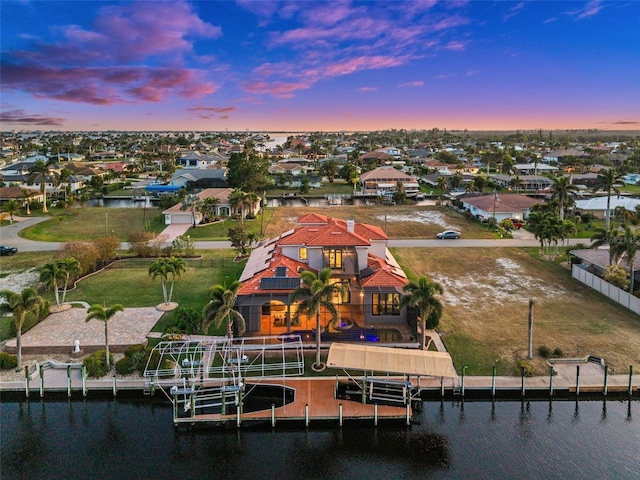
column 333, row 234
column 313, row 218
column 278, row 260
column 383, row 278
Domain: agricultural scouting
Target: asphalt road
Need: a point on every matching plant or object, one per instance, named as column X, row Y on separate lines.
column 9, row 236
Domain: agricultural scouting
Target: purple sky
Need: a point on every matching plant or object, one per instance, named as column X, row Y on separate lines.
column 338, row 65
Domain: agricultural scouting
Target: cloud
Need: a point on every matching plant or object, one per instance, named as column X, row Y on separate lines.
column 212, row 109
column 590, row 9
column 417, row 83
column 277, row 89
column 470, row 73
column 366, row 89
column 21, row 117
column 551, row 20
column 513, row 11
column 626, row 122
column 131, row 54
column 455, row 46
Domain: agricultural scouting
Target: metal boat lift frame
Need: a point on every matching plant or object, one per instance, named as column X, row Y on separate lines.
column 212, row 372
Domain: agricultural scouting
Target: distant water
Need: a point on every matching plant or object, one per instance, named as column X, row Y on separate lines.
column 476, row 440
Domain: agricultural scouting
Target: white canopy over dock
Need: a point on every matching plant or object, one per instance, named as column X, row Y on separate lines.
column 391, row 360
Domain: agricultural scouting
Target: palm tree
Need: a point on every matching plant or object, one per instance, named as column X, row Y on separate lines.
column 11, row 207
column 562, row 191
column 627, row 245
column 516, row 182
column 104, row 314
column 604, row 237
column 26, row 196
column 208, row 207
column 50, row 274
column 164, row 267
column 316, row 292
column 422, row 296
column 220, row 308
column 71, row 268
column 20, row 304
column 609, row 181
column 177, row 267
column 42, row 173
column 238, row 201
column 191, row 202
column 442, row 185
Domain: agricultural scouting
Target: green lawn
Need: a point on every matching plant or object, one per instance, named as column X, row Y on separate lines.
column 220, row 230
column 86, row 224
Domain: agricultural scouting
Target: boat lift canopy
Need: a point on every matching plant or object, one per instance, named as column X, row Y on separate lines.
column 391, row 360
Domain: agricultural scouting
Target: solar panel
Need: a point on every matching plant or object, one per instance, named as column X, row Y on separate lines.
column 279, row 283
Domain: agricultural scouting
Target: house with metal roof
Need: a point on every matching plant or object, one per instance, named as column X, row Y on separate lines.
column 356, row 253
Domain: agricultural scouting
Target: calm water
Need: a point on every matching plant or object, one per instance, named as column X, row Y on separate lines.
column 507, row 440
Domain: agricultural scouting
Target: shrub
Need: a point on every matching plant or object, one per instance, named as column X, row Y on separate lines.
column 558, row 353
column 544, row 351
column 138, row 360
column 96, row 364
column 139, row 347
column 123, row 366
column 8, row 361
column 528, row 368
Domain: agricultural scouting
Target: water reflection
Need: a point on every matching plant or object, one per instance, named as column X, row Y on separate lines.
column 134, row 439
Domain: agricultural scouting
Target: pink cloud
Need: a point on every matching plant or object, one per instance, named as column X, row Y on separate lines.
column 590, row 9
column 367, row 89
column 362, row 63
column 277, row 89
column 115, row 61
column 21, row 117
column 513, row 11
column 455, row 46
column 417, row 83
column 211, row 109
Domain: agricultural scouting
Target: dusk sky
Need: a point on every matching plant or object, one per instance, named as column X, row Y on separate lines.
column 270, row 66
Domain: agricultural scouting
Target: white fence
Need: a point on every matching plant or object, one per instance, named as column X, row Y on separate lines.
column 614, row 293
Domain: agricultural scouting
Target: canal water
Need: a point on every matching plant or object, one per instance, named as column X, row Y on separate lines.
column 134, row 439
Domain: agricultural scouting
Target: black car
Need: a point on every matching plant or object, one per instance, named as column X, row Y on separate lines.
column 4, row 250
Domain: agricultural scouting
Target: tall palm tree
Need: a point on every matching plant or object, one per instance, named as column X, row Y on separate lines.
column 237, row 201
column 20, row 304
column 50, row 274
column 422, row 296
column 26, row 197
column 316, row 292
column 71, row 268
column 104, row 314
column 628, row 242
column 42, row 173
column 220, row 308
column 177, row 267
column 609, row 181
column 442, row 185
column 164, row 268
column 563, row 192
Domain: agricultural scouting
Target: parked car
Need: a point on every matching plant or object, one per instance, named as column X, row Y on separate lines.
column 517, row 224
column 4, row 250
column 448, row 234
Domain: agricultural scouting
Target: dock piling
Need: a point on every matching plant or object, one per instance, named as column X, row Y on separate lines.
column 41, row 370
column 606, row 379
column 113, row 382
column 630, row 380
column 68, row 380
column 493, row 382
column 550, row 382
column 306, row 415
column 273, row 415
column 340, row 414
column 375, row 414
column 84, row 381
column 577, row 380
column 522, row 381
column 26, row 377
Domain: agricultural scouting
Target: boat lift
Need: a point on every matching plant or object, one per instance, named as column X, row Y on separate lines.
column 209, row 376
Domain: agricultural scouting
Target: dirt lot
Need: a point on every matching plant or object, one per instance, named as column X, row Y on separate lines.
column 486, row 307
column 398, row 222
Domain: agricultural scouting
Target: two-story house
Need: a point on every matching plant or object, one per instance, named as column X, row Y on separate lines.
column 360, row 262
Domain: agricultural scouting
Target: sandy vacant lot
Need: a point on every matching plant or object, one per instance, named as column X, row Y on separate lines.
column 486, row 307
